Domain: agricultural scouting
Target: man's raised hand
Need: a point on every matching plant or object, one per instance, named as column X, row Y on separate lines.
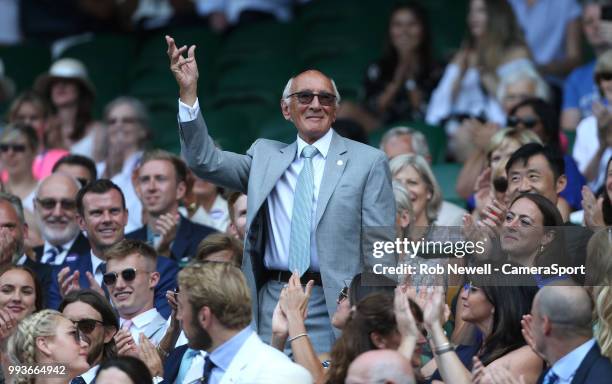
column 185, row 70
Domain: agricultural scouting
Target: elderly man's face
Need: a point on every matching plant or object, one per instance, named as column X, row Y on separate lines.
column 398, row 145
column 12, row 233
column 314, row 119
column 55, row 207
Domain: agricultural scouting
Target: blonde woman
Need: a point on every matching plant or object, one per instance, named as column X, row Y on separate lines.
column 43, row 339
column 599, row 275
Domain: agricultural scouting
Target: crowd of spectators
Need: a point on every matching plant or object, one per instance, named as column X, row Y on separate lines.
column 125, row 263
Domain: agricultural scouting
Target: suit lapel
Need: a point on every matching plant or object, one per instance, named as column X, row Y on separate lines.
column 587, row 363
column 334, row 168
column 183, row 233
column 241, row 360
column 154, row 326
column 278, row 162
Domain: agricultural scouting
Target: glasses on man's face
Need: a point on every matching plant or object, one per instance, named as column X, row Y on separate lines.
column 76, row 334
column 343, row 295
column 16, row 148
column 49, row 204
column 87, row 325
column 125, row 120
column 605, row 76
column 527, row 122
column 128, row 274
column 306, row 97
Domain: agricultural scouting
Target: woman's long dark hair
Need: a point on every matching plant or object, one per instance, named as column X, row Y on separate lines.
column 136, row 370
column 548, row 118
column 390, row 57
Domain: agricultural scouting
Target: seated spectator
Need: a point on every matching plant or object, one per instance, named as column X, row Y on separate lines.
column 593, row 145
column 579, row 89
column 20, row 295
column 124, row 370
column 102, row 216
column 7, row 85
column 398, row 85
column 97, row 322
column 207, row 205
column 71, row 94
column 540, row 117
column 597, row 212
column 552, row 32
column 560, row 330
column 214, row 306
column 31, row 109
column 220, row 247
column 80, row 167
column 599, row 276
column 494, row 47
column 225, row 14
column 237, row 208
column 131, row 279
column 380, row 366
column 524, row 83
column 47, row 337
column 161, row 180
column 56, row 215
column 496, row 311
column 405, row 140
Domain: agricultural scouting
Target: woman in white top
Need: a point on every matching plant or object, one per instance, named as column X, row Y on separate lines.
column 493, row 48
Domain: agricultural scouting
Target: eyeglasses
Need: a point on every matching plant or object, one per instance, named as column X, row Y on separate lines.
column 128, row 274
column 527, row 122
column 77, row 335
column 343, row 294
column 461, row 117
column 17, row 148
column 125, row 120
column 87, row 325
column 49, row 204
column 306, row 97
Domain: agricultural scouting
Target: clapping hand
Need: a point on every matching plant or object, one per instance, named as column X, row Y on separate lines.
column 435, row 310
column 125, row 344
column 295, row 300
column 527, row 324
column 148, row 354
column 8, row 324
column 593, row 209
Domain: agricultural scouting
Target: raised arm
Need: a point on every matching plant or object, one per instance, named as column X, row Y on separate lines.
column 185, row 71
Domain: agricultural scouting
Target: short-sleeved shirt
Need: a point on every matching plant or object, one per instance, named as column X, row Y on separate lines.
column 544, row 25
column 580, row 90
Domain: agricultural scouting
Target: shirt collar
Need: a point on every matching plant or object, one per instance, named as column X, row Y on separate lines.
column 322, row 144
column 143, row 319
column 65, row 246
column 566, row 367
column 222, row 356
column 95, row 261
column 90, row 374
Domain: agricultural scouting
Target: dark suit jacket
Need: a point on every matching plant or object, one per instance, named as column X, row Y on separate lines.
column 168, row 271
column 187, row 239
column 173, row 364
column 80, row 246
column 594, row 369
column 44, row 273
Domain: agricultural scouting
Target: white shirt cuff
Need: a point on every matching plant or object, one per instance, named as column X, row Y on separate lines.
column 187, row 113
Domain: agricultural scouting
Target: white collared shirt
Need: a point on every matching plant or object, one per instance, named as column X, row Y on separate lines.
column 195, row 369
column 95, row 262
column 141, row 322
column 280, row 200
column 59, row 259
column 90, row 374
column 565, row 368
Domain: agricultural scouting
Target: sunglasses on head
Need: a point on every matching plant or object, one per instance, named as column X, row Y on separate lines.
column 87, row 325
column 527, row 122
column 343, row 294
column 306, row 97
column 49, row 204
column 17, row 148
column 128, row 274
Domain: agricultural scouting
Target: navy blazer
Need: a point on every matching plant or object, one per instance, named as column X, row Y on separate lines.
column 44, row 274
column 168, row 271
column 172, row 364
column 80, row 246
column 594, row 369
column 188, row 237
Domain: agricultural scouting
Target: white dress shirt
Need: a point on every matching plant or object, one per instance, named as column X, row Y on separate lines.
column 141, row 322
column 195, row 369
column 90, row 374
column 95, row 262
column 566, row 367
column 280, row 200
column 59, row 259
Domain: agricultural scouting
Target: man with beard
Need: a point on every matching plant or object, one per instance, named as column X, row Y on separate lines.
column 97, row 324
column 102, row 215
column 214, row 307
column 55, row 213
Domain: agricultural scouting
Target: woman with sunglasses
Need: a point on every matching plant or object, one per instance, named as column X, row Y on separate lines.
column 496, row 312
column 47, row 338
column 540, row 117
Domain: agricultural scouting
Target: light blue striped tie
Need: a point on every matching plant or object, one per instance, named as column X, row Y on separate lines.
column 186, row 361
column 301, row 217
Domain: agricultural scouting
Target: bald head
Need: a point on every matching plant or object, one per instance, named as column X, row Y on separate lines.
column 380, row 366
column 568, row 307
column 55, row 208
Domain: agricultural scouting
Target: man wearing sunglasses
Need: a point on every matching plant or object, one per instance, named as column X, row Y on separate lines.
column 97, row 323
column 309, row 202
column 102, row 215
column 56, row 215
column 161, row 181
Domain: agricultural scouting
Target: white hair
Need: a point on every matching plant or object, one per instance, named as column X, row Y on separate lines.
column 287, row 90
column 419, row 141
column 527, row 73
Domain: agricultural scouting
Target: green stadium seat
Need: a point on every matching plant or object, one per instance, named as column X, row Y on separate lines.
column 446, row 175
column 23, row 63
column 275, row 127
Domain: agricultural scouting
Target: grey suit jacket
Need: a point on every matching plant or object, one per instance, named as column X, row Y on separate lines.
column 355, row 193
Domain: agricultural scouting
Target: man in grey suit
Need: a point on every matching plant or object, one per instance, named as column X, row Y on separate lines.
column 309, row 202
